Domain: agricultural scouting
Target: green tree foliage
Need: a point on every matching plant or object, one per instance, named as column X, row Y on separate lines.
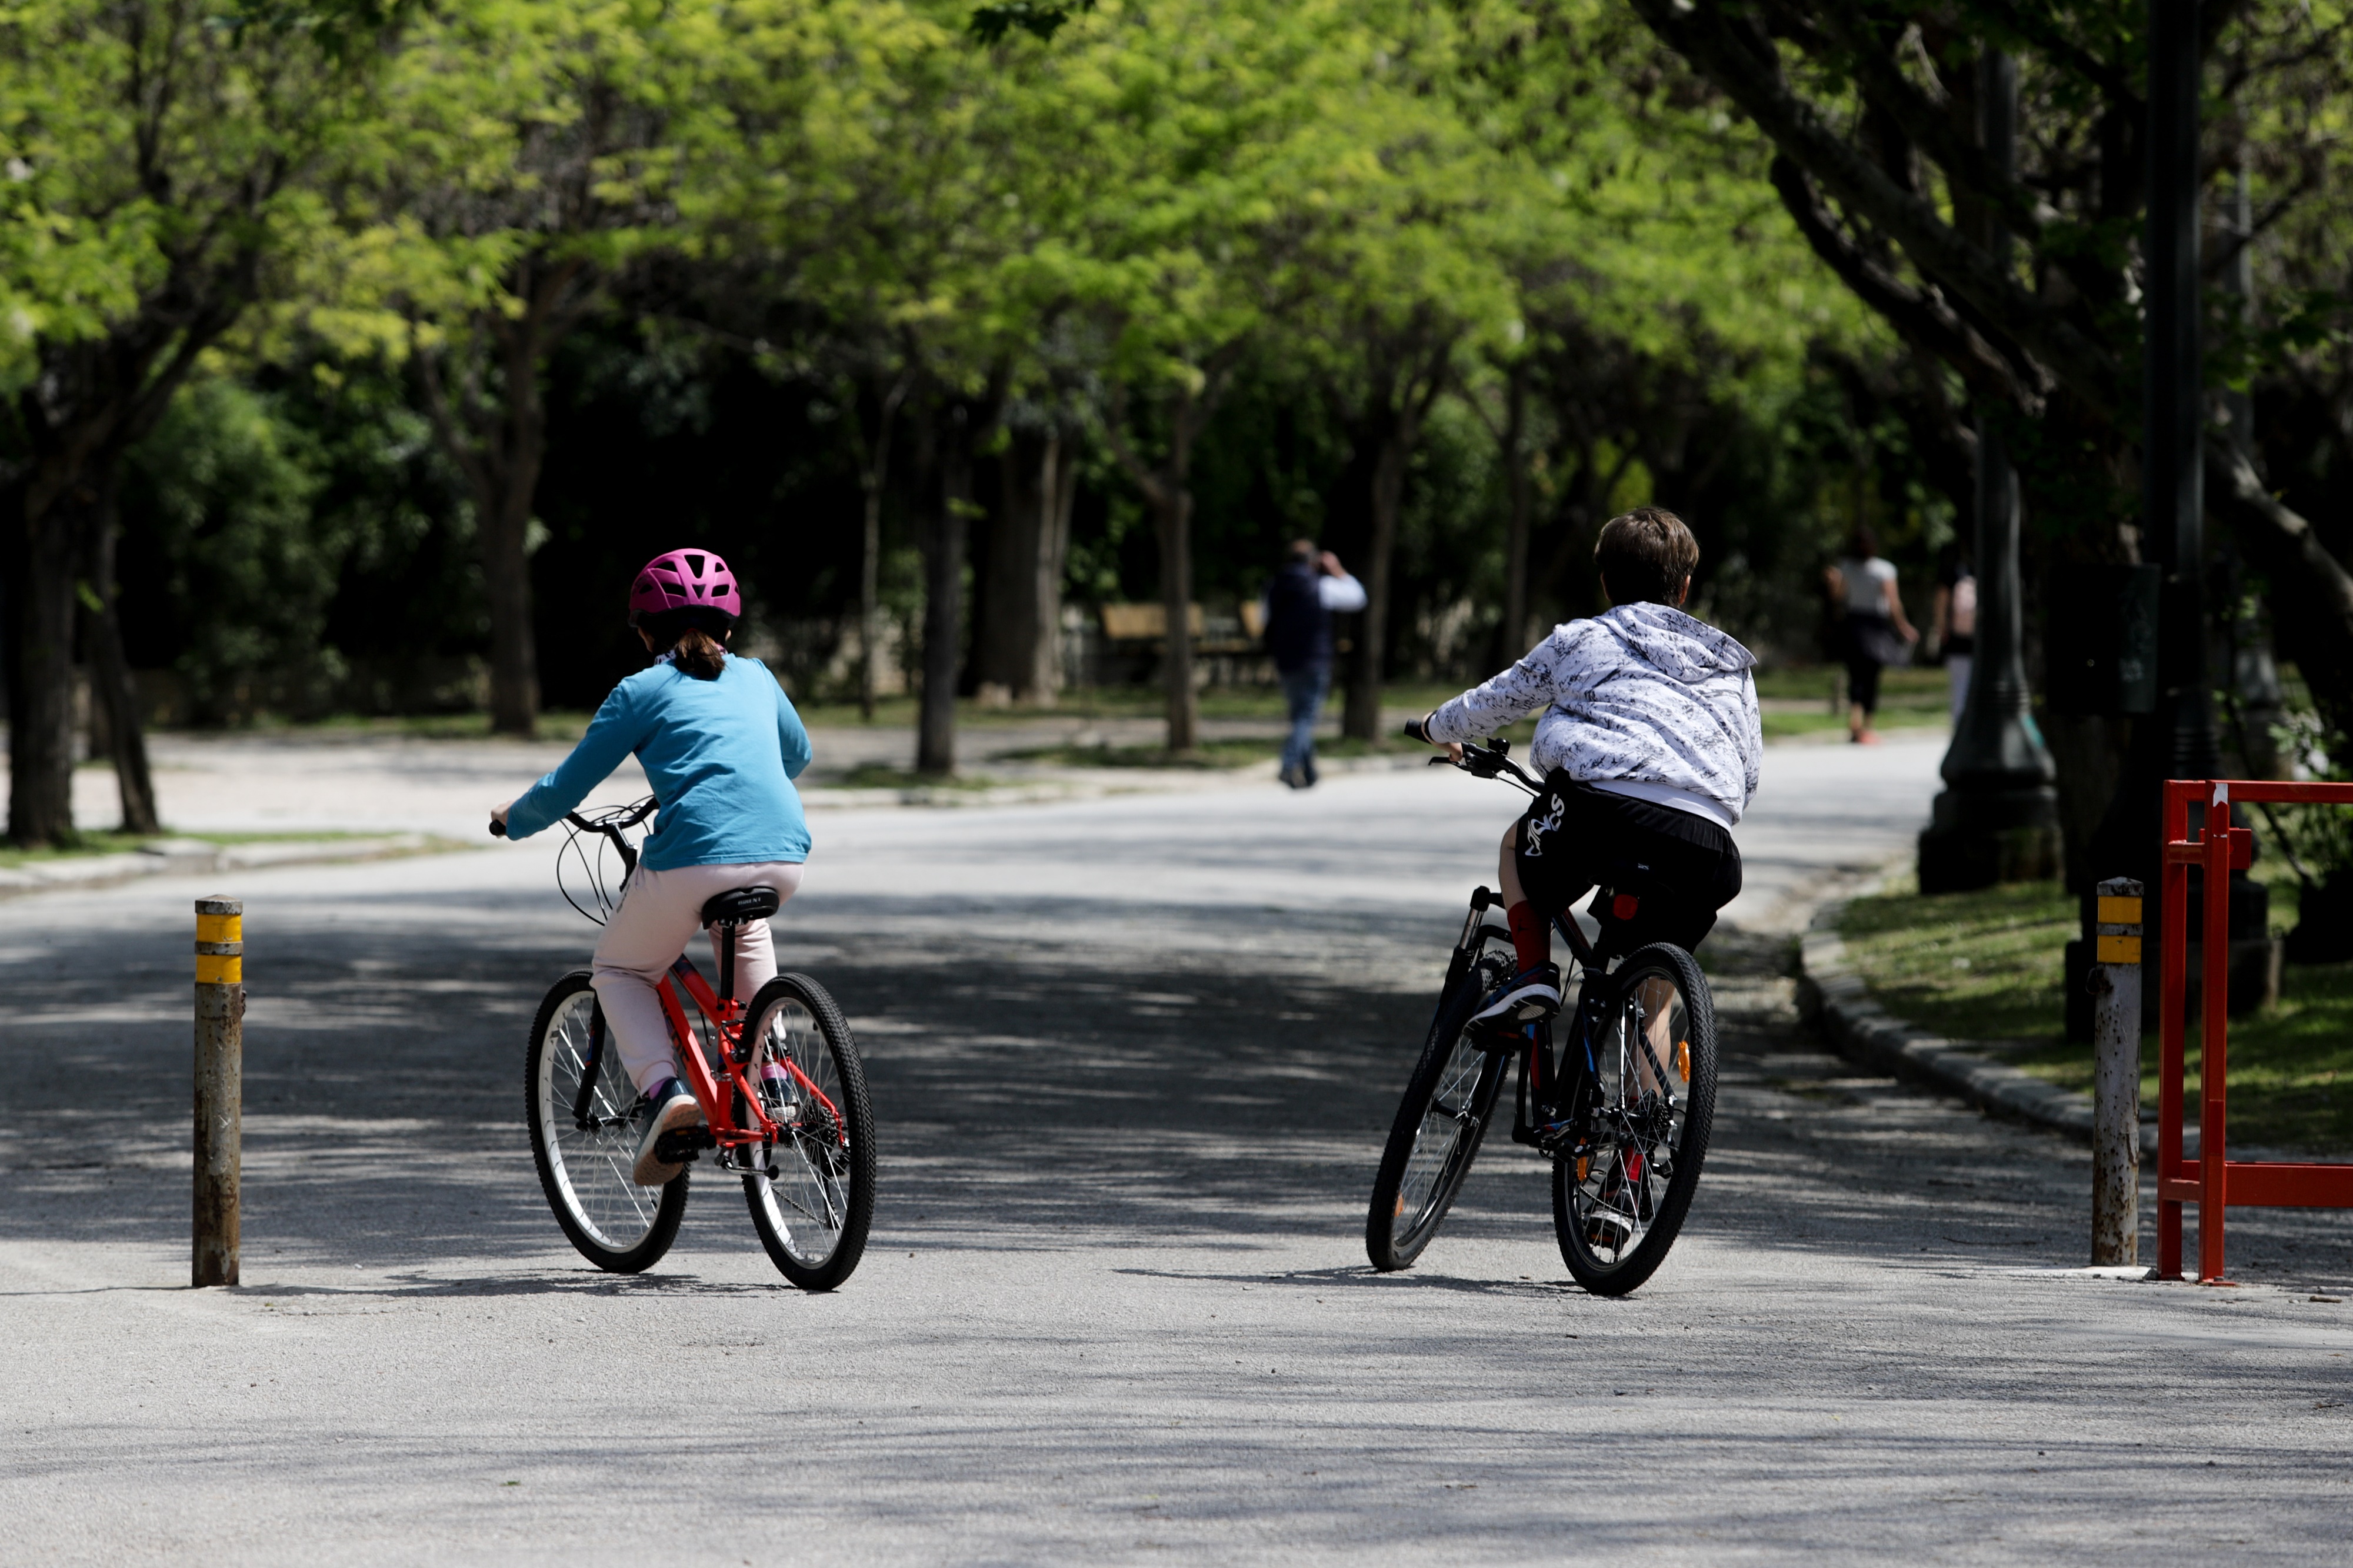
column 158, row 184
column 231, row 489
column 1874, row 114
column 528, row 162
column 1113, row 298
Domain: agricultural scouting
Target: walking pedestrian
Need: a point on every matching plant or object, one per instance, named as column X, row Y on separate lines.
column 1297, row 610
column 1953, row 624
column 1863, row 587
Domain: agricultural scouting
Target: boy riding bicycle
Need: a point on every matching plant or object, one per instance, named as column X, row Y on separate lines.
column 1649, row 746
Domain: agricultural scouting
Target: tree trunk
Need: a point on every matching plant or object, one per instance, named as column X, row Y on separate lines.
column 873, row 472
column 1174, row 517
column 1361, row 719
column 962, row 428
column 111, row 687
column 1511, row 639
column 1398, row 405
column 1056, row 475
column 870, row 605
column 506, row 527
column 40, row 612
column 1167, row 491
column 1004, row 625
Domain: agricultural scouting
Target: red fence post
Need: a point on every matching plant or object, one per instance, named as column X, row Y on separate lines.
column 2213, row 1036
column 2174, row 951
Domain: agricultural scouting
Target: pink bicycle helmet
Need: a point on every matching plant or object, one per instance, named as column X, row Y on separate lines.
column 684, row 580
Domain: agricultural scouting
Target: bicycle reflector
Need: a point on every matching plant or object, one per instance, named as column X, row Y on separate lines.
column 1624, row 906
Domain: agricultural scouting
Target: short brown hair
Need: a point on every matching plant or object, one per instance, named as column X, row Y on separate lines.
column 1645, row 553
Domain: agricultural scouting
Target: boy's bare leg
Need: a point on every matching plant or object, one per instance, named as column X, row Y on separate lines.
column 1507, row 869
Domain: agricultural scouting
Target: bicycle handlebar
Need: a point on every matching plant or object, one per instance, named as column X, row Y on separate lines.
column 1479, row 762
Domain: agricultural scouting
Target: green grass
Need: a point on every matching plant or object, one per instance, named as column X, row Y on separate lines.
column 85, row 844
column 558, row 725
column 1223, row 754
column 1908, row 698
column 1986, row 966
column 1916, row 684
column 1119, row 703
column 883, row 775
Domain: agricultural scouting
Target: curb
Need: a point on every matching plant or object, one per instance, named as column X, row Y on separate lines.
column 184, row 856
column 1833, row 997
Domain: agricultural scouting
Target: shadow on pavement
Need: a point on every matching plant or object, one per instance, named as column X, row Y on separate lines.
column 1048, row 1073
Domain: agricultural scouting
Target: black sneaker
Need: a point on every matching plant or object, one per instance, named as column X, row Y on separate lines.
column 665, row 1108
column 1530, row 994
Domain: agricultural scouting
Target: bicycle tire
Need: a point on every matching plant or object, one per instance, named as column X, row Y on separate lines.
column 813, row 1217
column 616, row 1225
column 1616, row 1207
column 1427, row 1179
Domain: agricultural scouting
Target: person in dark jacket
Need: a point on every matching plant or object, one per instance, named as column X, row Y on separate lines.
column 1297, row 610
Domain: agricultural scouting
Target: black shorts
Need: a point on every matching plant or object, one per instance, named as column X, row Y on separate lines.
column 1680, row 866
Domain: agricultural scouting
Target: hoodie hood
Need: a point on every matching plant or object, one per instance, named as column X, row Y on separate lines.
column 1682, row 645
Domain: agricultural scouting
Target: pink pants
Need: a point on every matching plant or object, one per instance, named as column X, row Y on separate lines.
column 659, row 912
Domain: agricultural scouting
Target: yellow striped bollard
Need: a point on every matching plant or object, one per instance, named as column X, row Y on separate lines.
column 2115, row 1074
column 220, row 1086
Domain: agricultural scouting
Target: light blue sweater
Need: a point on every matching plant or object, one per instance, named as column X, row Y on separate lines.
column 721, row 755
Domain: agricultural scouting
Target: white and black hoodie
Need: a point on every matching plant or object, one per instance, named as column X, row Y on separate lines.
column 1642, row 700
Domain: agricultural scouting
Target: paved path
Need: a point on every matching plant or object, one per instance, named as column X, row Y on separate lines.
column 1134, row 1059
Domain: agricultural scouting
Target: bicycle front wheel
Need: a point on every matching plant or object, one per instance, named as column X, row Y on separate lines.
column 584, row 1145
column 813, row 1213
column 1439, row 1124
column 1620, row 1191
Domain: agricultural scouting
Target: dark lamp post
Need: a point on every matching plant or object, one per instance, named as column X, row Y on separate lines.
column 1997, row 818
column 2176, row 739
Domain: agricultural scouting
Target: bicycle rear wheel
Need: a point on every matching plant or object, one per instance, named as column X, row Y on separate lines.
column 813, row 1214
column 585, row 1160
column 1620, row 1191
column 1439, row 1124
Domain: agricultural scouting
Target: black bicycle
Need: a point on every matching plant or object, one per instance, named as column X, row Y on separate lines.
column 1623, row 1110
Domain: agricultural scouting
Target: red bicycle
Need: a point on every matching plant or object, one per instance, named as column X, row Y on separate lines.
column 782, row 1089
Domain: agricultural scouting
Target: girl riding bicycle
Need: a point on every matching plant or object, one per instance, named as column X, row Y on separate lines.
column 720, row 744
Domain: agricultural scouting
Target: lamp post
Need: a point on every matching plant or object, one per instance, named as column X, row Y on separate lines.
column 1998, row 817
column 2177, row 738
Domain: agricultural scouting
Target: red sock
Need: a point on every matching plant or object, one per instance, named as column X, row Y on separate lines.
column 1531, row 934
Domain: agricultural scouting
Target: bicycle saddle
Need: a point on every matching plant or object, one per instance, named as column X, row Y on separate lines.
column 738, row 905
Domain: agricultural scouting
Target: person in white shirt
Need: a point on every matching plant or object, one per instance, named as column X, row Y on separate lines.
column 1863, row 588
column 1296, row 611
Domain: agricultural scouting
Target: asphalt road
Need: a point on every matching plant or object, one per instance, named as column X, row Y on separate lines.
column 1134, row 1059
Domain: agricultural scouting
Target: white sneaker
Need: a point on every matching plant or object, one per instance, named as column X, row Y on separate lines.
column 665, row 1108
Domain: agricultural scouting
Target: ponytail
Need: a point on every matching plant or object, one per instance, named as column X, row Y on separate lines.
column 698, row 654
column 690, row 637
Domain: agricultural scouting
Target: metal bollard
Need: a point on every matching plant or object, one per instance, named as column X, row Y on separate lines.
column 2114, row 982
column 220, row 1086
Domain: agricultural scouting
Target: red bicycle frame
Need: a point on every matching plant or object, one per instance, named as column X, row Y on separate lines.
column 725, row 1026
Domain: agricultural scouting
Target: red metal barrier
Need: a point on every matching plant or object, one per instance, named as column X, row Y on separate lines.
column 2214, row 1181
